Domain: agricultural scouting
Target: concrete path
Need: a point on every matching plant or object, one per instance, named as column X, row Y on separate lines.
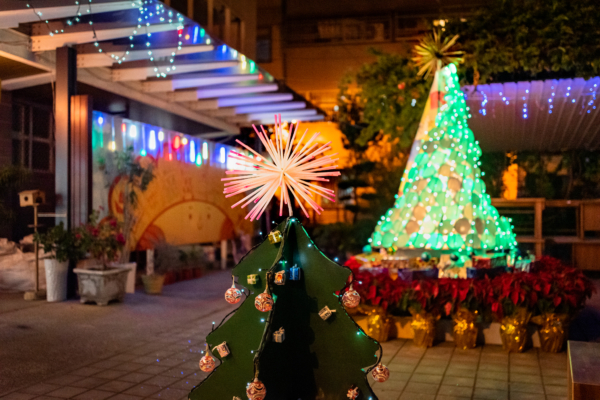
column 148, row 348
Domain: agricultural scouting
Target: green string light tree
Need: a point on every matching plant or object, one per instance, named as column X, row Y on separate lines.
column 442, row 206
column 291, row 338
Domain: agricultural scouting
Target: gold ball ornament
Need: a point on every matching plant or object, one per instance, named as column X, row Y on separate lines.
column 263, row 302
column 381, row 373
column 351, row 298
column 256, row 390
column 207, row 363
column 233, row 295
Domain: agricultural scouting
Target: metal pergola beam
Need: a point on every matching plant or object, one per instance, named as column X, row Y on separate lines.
column 194, row 82
column 92, row 60
column 12, row 18
column 142, row 73
column 47, row 42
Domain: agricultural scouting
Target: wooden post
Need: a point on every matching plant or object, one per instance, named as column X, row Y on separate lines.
column 211, row 14
column 81, row 159
column 537, row 230
column 242, row 37
column 190, row 9
column 65, row 87
column 227, row 34
column 223, row 254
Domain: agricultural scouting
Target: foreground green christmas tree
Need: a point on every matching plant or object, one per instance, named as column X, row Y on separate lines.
column 442, row 205
column 319, row 358
column 291, row 338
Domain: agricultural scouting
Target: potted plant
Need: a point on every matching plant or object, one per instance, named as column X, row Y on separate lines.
column 425, row 304
column 124, row 168
column 103, row 239
column 167, row 259
column 558, row 293
column 464, row 304
column 511, row 299
column 62, row 246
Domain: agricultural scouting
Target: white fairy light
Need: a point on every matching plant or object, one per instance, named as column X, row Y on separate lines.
column 291, row 169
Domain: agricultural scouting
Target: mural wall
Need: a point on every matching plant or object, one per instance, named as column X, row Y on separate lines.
column 184, row 203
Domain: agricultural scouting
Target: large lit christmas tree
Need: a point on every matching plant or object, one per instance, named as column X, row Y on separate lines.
column 442, row 205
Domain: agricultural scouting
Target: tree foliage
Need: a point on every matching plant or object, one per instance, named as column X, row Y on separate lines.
column 510, row 40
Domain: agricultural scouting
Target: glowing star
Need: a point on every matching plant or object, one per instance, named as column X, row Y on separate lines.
column 292, row 169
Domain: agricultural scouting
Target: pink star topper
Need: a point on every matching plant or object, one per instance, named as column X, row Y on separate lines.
column 291, row 168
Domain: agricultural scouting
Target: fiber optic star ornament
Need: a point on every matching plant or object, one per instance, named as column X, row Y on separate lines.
column 441, row 204
column 293, row 166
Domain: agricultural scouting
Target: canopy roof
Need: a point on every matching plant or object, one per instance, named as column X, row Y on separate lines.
column 550, row 115
column 146, row 51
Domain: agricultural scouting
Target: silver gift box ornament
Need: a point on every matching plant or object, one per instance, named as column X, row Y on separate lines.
column 295, row 273
column 325, row 313
column 222, row 349
column 279, row 336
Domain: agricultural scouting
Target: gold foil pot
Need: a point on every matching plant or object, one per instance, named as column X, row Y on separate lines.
column 465, row 329
column 423, row 325
column 379, row 324
column 553, row 331
column 513, row 331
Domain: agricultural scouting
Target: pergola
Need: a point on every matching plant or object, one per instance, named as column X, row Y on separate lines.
column 145, row 51
column 551, row 115
column 142, row 50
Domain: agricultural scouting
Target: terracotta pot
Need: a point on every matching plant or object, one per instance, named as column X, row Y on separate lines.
column 101, row 286
column 153, row 284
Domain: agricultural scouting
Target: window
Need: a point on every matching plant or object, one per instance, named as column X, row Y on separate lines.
column 264, row 45
column 32, row 145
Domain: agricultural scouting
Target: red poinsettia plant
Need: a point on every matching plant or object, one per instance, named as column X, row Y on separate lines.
column 425, row 296
column 560, row 289
column 102, row 238
column 510, row 292
column 376, row 289
column 464, row 293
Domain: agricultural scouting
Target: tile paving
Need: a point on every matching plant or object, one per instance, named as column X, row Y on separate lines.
column 164, row 365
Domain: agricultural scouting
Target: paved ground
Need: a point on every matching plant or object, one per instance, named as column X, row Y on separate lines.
column 148, row 348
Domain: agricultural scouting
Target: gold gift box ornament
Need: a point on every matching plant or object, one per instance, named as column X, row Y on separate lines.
column 275, row 237
column 513, row 331
column 253, row 279
column 465, row 329
column 553, row 331
column 423, row 325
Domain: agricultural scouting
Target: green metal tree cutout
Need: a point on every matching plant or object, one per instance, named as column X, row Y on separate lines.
column 442, row 204
column 319, row 358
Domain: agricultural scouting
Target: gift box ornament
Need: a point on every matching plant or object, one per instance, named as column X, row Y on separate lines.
column 280, row 278
column 325, row 313
column 253, row 279
column 353, row 392
column 295, row 273
column 279, row 336
column 222, row 349
column 275, row 237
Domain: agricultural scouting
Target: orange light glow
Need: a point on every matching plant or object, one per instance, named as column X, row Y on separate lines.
column 187, row 37
column 184, row 141
column 123, row 128
column 170, row 157
column 176, row 142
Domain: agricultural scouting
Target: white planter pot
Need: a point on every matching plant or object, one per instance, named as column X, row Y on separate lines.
column 56, row 279
column 131, row 267
column 101, row 286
